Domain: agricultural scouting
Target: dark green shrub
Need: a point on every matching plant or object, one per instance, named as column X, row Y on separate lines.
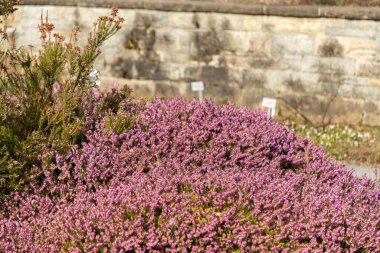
column 42, row 97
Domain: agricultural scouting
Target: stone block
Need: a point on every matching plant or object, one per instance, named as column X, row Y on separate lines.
column 215, row 75
column 275, row 24
column 200, row 21
column 236, row 41
column 362, row 92
column 363, row 24
column 216, row 84
column 193, row 73
column 292, row 10
column 371, row 106
column 220, row 93
column 174, row 57
column 366, row 92
column 311, row 106
column 368, row 68
column 175, row 72
column 173, row 39
column 364, row 55
column 353, row 44
column 343, row 110
column 351, row 32
column 371, row 113
column 168, row 89
column 261, row 60
column 151, row 18
column 371, row 119
column 252, row 78
column 250, row 23
column 374, row 82
column 253, row 96
column 260, row 42
column 301, row 83
column 337, row 67
column 181, row 20
column 231, row 60
column 304, row 63
column 352, row 79
column 275, row 80
column 297, row 44
column 349, row 12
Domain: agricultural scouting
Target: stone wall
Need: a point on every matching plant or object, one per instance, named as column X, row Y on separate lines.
column 317, row 64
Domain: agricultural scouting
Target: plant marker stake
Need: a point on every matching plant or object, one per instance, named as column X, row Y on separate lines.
column 94, row 73
column 198, row 86
column 270, row 105
column 94, row 77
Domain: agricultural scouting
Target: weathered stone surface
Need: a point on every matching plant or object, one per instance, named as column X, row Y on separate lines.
column 371, row 107
column 371, row 119
column 240, row 51
column 183, row 20
column 374, row 82
column 297, row 44
column 351, row 32
column 298, row 63
column 260, row 42
column 348, row 12
column 293, row 25
column 342, row 110
column 253, row 96
column 361, row 48
column 304, row 105
column 335, row 66
column 236, row 41
column 292, row 11
column 351, row 80
column 356, row 48
column 261, row 60
column 166, row 90
column 330, row 47
column 368, row 68
column 362, row 92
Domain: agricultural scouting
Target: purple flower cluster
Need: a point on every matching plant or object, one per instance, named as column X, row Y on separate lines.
column 194, row 177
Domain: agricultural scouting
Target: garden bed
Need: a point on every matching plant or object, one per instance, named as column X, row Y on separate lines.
column 358, row 145
column 194, row 177
column 96, row 171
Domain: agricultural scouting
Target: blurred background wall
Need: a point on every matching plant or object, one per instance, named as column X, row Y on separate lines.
column 319, row 62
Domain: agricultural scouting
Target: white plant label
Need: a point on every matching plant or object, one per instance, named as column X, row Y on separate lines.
column 94, row 74
column 270, row 105
column 197, row 86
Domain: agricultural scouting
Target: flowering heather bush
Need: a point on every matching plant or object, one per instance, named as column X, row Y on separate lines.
column 193, row 177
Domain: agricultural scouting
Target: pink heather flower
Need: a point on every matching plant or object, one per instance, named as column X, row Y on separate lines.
column 192, row 177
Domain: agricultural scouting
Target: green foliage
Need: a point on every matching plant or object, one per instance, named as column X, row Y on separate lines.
column 42, row 96
column 333, row 138
column 6, row 7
